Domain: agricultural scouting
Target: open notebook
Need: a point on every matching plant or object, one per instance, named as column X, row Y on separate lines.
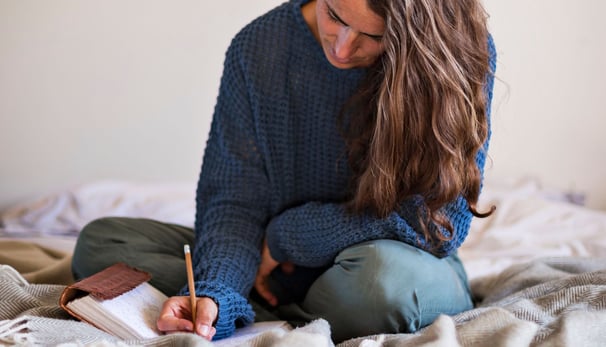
column 119, row 300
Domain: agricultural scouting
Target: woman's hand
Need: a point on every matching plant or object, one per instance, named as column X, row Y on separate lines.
column 268, row 264
column 176, row 316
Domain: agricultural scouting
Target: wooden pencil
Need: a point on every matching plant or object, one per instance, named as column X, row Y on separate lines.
column 190, row 283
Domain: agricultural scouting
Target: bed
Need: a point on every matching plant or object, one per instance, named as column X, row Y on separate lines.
column 537, row 269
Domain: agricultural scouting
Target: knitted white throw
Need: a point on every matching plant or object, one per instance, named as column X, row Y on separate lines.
column 547, row 302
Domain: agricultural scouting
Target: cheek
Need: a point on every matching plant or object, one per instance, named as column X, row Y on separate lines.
column 327, row 27
column 374, row 50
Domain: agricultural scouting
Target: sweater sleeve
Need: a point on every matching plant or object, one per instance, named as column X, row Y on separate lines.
column 313, row 234
column 231, row 203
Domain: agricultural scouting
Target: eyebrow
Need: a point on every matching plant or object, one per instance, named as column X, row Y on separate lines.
column 333, row 13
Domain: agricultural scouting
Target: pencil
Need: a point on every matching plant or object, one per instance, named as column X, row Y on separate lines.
column 190, row 282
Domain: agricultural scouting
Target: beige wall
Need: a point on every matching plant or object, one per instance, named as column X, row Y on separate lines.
column 109, row 89
column 125, row 89
column 549, row 116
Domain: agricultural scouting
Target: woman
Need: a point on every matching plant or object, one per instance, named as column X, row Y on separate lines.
column 341, row 173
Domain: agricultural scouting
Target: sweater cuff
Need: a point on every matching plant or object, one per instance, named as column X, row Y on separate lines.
column 234, row 309
column 273, row 241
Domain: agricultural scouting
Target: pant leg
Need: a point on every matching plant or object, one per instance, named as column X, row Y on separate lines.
column 384, row 286
column 146, row 244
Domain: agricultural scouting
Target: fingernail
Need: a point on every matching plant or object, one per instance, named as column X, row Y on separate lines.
column 204, row 330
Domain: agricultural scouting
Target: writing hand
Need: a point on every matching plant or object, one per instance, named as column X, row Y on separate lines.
column 176, row 316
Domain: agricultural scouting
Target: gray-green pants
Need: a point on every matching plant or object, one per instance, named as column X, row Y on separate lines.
column 375, row 287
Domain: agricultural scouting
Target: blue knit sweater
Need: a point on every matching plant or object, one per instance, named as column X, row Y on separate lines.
column 275, row 167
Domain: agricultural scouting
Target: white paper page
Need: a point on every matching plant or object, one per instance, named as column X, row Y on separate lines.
column 131, row 315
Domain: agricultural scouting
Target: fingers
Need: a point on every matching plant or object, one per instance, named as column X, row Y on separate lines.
column 170, row 324
column 262, row 287
column 207, row 312
column 175, row 316
column 287, row 267
column 268, row 264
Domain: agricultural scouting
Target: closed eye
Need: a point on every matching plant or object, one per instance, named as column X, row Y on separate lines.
column 377, row 38
column 335, row 18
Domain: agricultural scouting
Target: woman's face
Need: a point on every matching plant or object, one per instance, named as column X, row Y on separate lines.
column 350, row 33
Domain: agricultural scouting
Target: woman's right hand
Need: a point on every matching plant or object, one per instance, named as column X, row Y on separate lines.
column 176, row 316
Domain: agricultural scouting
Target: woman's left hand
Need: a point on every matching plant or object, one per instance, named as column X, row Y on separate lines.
column 268, row 264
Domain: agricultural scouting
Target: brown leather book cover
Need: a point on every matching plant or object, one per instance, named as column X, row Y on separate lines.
column 106, row 284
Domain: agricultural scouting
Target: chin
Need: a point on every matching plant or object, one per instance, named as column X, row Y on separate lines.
column 342, row 66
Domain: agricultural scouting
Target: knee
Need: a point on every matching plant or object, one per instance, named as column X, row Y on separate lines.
column 102, row 227
column 400, row 277
column 389, row 278
column 388, row 268
column 93, row 236
column 385, row 287
column 89, row 255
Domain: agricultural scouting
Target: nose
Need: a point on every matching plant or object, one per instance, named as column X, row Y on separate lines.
column 345, row 43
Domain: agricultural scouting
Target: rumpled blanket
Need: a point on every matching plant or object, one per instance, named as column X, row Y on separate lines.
column 37, row 263
column 545, row 302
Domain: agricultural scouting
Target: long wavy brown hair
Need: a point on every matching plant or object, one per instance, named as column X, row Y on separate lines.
column 416, row 125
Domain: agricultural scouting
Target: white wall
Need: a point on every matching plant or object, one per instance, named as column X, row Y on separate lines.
column 549, row 108
column 109, row 89
column 125, row 89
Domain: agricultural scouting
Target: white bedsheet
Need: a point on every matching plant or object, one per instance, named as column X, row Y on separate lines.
column 66, row 212
column 528, row 223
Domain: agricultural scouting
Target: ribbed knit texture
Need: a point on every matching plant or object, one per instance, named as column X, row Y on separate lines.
column 275, row 166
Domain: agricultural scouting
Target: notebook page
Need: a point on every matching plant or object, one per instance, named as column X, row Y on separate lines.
column 131, row 315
